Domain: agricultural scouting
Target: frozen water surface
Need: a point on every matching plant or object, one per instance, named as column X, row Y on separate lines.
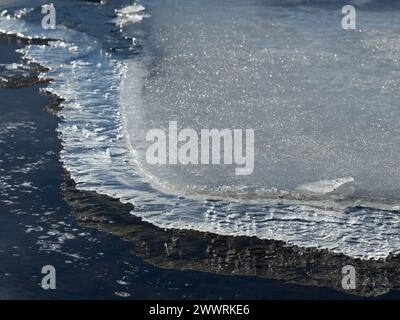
column 322, row 101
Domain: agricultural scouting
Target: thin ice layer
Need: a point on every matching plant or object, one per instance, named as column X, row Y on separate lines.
column 323, row 102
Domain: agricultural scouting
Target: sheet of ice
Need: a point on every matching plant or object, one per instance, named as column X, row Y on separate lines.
column 129, row 14
column 324, row 186
column 322, row 101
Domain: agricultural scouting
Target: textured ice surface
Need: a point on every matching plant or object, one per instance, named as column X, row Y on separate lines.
column 322, row 102
column 129, row 14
